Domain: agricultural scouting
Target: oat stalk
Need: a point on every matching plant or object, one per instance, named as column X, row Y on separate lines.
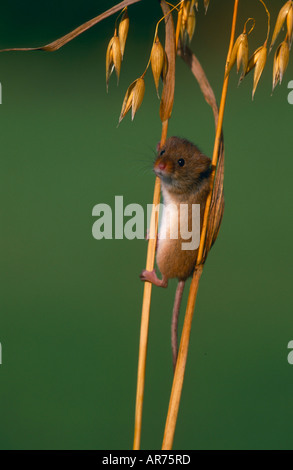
column 165, row 113
column 60, row 42
column 184, row 343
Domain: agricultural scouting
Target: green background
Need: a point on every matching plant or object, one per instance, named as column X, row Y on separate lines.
column 71, row 305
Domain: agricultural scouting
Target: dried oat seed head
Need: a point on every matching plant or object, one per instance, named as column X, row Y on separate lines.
column 133, row 98
column 252, row 60
column 281, row 61
column 113, row 58
column 157, row 61
column 185, row 12
column 109, row 62
column 123, row 31
column 183, row 35
column 138, row 94
column 290, row 26
column 188, row 22
column 117, row 58
column 239, row 53
column 258, row 62
column 242, row 54
column 206, row 5
column 191, row 22
column 283, row 13
column 276, row 68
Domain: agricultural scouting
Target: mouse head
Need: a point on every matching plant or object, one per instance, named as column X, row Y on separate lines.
column 180, row 165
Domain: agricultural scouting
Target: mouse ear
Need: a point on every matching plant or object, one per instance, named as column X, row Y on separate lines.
column 204, row 163
column 158, row 147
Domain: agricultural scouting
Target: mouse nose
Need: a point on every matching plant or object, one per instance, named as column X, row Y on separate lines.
column 161, row 166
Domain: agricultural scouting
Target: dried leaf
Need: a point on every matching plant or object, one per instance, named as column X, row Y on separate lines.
column 197, row 70
column 217, row 203
column 165, row 67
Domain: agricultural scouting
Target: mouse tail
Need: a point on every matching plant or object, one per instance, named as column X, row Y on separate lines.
column 174, row 324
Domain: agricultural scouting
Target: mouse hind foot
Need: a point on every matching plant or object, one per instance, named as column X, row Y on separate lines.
column 151, row 276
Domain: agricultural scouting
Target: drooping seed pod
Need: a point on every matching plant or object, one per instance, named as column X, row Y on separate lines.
column 281, row 61
column 157, row 61
column 109, row 62
column 191, row 22
column 257, row 62
column 188, row 22
column 206, row 5
column 185, row 13
column 123, row 31
column 138, row 94
column 113, row 58
column 283, row 14
column 133, row 98
column 290, row 26
column 240, row 54
column 183, row 36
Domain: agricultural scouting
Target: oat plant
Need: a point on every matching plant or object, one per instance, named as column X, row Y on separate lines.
column 178, row 21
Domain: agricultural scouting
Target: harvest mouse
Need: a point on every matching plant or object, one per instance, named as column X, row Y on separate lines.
column 185, row 179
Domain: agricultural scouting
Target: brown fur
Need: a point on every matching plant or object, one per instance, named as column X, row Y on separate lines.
column 185, row 176
column 188, row 184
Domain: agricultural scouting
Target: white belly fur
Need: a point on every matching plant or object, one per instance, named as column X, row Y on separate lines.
column 170, row 219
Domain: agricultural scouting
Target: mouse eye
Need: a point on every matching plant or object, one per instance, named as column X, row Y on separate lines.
column 162, row 152
column 181, row 162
